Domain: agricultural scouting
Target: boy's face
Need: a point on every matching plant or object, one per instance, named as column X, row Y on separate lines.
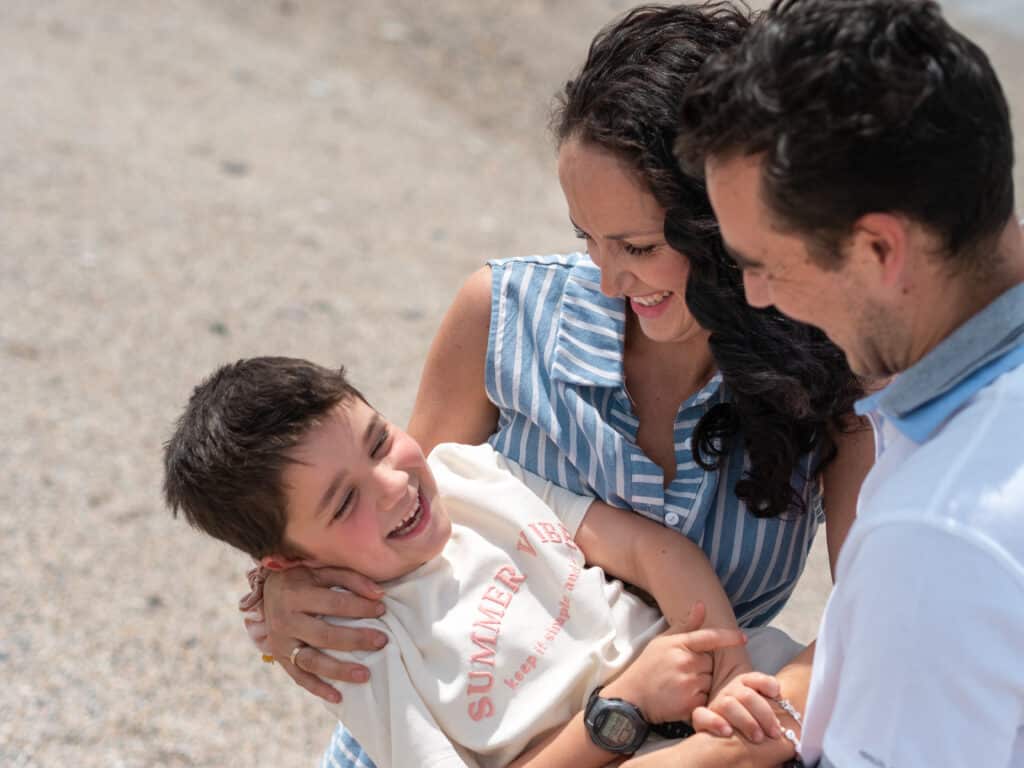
column 361, row 496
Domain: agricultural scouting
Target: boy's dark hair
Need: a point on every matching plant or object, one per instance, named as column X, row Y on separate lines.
column 862, row 106
column 223, row 465
column 788, row 384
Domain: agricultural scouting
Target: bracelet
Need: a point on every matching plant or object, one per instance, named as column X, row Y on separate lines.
column 790, row 710
column 789, row 733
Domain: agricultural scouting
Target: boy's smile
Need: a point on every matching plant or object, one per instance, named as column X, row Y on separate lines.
column 360, row 495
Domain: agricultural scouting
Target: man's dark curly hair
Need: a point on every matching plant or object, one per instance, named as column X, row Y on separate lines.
column 788, row 385
column 861, row 106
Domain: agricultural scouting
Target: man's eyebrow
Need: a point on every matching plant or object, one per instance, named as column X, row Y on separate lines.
column 742, row 261
column 623, row 235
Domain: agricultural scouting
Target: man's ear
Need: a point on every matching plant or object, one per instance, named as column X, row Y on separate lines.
column 881, row 243
column 278, row 562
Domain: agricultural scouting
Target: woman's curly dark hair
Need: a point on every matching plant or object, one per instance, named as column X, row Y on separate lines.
column 789, row 387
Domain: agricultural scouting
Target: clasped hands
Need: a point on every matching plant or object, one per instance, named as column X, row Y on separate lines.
column 702, row 675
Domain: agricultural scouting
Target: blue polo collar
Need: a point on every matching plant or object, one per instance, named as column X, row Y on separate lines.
column 927, row 394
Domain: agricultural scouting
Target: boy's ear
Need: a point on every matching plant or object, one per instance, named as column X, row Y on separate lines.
column 278, row 562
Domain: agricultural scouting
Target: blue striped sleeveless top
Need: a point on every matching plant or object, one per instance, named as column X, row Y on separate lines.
column 554, row 370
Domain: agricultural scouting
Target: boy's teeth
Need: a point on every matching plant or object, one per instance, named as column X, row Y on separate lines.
column 408, row 520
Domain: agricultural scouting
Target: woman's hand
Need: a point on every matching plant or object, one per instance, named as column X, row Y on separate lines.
column 744, row 703
column 673, row 674
column 294, row 599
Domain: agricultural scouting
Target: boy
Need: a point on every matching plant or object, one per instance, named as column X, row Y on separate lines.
column 501, row 623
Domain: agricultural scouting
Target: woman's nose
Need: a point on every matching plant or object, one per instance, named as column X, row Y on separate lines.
column 611, row 275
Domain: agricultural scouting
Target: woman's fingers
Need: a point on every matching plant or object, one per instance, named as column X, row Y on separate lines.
column 740, row 718
column 749, row 713
column 337, row 638
column 342, row 577
column 310, row 682
column 343, row 605
column 704, row 719
column 766, row 685
column 314, row 631
column 313, row 661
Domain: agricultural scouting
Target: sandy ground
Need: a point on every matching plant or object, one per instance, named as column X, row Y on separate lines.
column 189, row 182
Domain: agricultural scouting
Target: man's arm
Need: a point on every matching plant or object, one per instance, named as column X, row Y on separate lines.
column 922, row 653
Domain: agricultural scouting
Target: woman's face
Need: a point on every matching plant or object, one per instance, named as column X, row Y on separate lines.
column 623, row 226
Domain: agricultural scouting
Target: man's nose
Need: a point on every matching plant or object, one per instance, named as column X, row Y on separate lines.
column 757, row 290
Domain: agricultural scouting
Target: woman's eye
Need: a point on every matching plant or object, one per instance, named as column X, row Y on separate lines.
column 345, row 504
column 580, row 234
column 638, row 250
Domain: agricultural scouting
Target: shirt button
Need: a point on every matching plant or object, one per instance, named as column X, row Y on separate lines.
column 671, row 518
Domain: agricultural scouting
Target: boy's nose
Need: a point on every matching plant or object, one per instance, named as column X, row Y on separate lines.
column 393, row 485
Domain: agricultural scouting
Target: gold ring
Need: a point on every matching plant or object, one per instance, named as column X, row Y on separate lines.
column 295, row 653
column 267, row 658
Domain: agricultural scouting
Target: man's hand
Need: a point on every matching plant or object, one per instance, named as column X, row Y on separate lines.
column 673, row 674
column 293, row 601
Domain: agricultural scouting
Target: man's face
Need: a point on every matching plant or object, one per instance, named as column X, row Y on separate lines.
column 360, row 495
column 778, row 269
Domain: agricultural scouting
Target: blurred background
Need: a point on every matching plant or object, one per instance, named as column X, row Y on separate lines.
column 189, row 182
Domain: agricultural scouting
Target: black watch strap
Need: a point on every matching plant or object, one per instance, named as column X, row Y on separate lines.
column 675, row 729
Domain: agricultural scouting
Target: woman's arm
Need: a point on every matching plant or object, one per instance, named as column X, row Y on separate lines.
column 452, row 404
column 842, row 480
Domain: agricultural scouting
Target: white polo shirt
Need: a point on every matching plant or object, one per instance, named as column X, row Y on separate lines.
column 920, row 658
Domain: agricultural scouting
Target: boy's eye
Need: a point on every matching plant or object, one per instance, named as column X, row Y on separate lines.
column 343, row 508
column 580, row 233
column 384, row 434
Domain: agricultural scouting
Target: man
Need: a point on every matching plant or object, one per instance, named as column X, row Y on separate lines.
column 859, row 157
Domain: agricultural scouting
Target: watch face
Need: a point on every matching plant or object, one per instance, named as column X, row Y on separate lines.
column 616, row 729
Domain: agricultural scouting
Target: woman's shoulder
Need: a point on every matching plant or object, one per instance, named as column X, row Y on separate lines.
column 564, row 261
column 541, row 282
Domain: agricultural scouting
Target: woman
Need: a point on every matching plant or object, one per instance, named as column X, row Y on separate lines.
column 641, row 377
